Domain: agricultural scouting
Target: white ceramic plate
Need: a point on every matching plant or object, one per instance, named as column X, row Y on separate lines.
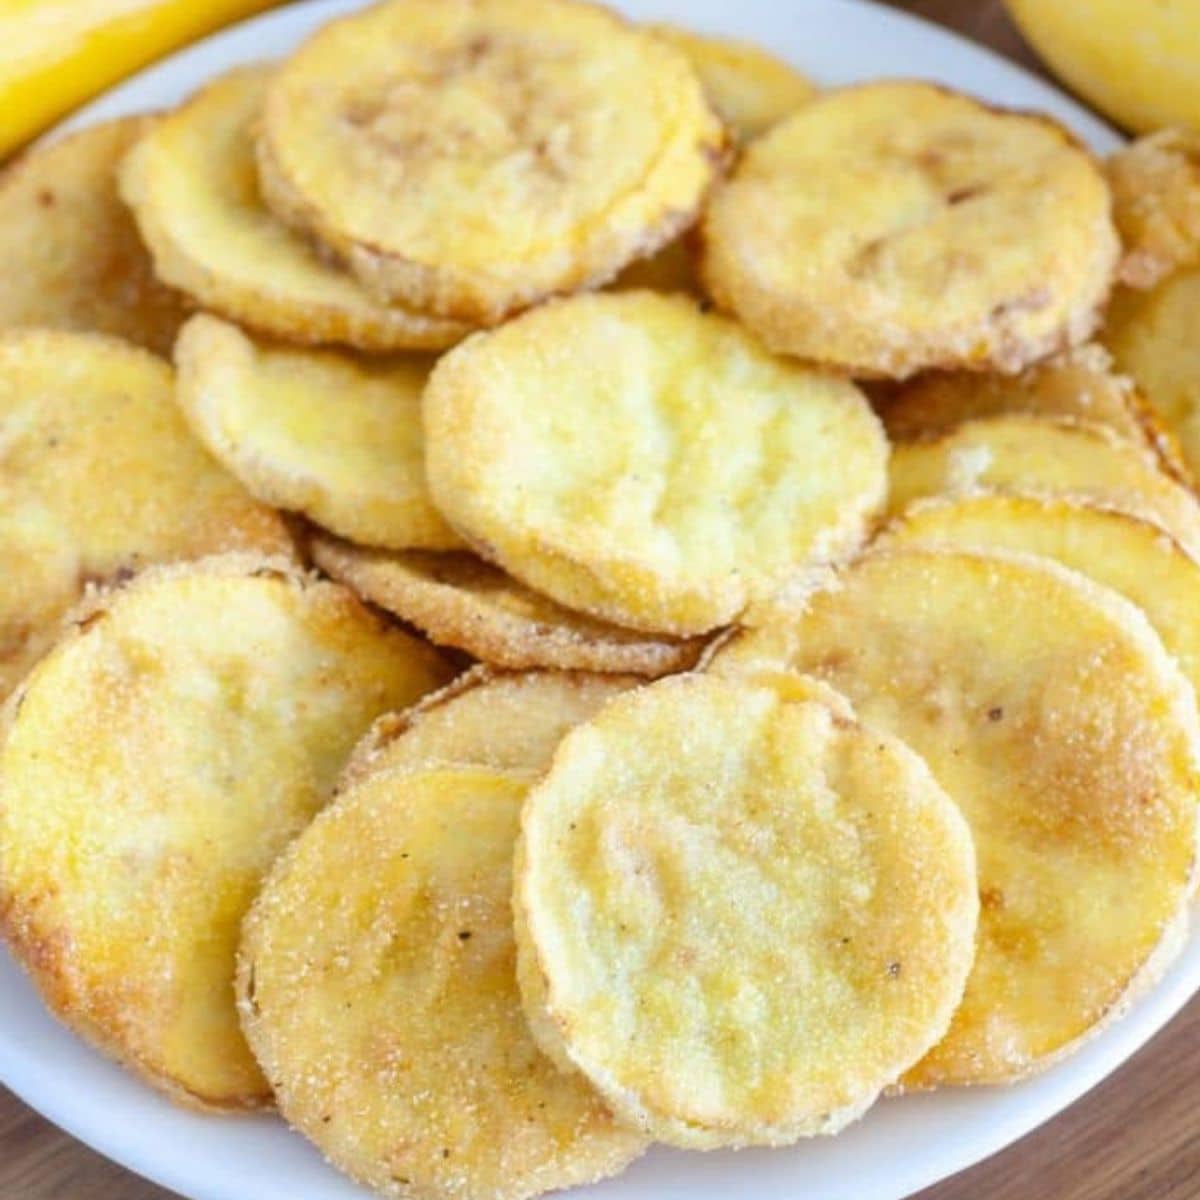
column 902, row 1145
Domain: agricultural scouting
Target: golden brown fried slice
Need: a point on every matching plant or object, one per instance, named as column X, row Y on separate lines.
column 1080, row 385
column 461, row 601
column 98, row 477
column 1049, row 710
column 1153, row 337
column 1021, row 453
column 740, row 913
column 152, row 767
column 472, row 159
column 634, row 458
column 1133, row 557
column 885, row 229
column 511, row 722
column 71, row 252
column 377, row 986
column 749, row 88
column 193, row 186
column 1156, row 204
column 322, row 433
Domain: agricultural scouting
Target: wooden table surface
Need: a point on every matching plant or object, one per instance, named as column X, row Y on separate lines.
column 1133, row 1138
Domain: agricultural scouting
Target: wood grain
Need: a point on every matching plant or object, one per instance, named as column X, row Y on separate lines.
column 1133, row 1138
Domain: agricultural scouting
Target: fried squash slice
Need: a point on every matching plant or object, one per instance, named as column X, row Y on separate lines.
column 505, row 720
column 461, row 601
column 1082, row 385
column 192, row 184
column 750, row 88
column 639, row 460
column 1051, row 713
column 152, row 767
column 895, row 227
column 318, row 432
column 377, row 985
column 1019, row 453
column 72, row 255
column 99, row 477
column 1134, row 557
column 1156, row 203
column 1153, row 337
column 740, row 913
column 470, row 159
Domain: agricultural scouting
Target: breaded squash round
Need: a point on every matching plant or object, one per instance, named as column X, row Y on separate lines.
column 1134, row 557
column 319, row 432
column 740, row 913
column 750, row 88
column 1081, row 385
column 461, row 601
column 472, row 157
column 1021, row 453
column 1154, row 337
column 377, row 985
column 71, row 252
column 192, row 184
column 99, row 477
column 1049, row 710
column 894, row 227
column 509, row 721
column 1156, row 204
column 637, row 459
column 152, row 766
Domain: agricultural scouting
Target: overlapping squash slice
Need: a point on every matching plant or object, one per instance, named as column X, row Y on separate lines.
column 1153, row 337
column 1051, row 713
column 508, row 721
column 322, row 433
column 471, row 159
column 193, row 187
column 1132, row 556
column 637, row 459
column 1081, row 385
column 1156, row 204
column 894, row 227
column 377, row 985
column 740, row 913
column 71, row 252
column 461, row 601
column 152, row 766
column 750, row 88
column 99, row 477
column 1020, row 453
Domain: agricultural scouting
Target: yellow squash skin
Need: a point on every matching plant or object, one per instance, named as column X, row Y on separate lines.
column 1138, row 62
column 57, row 54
